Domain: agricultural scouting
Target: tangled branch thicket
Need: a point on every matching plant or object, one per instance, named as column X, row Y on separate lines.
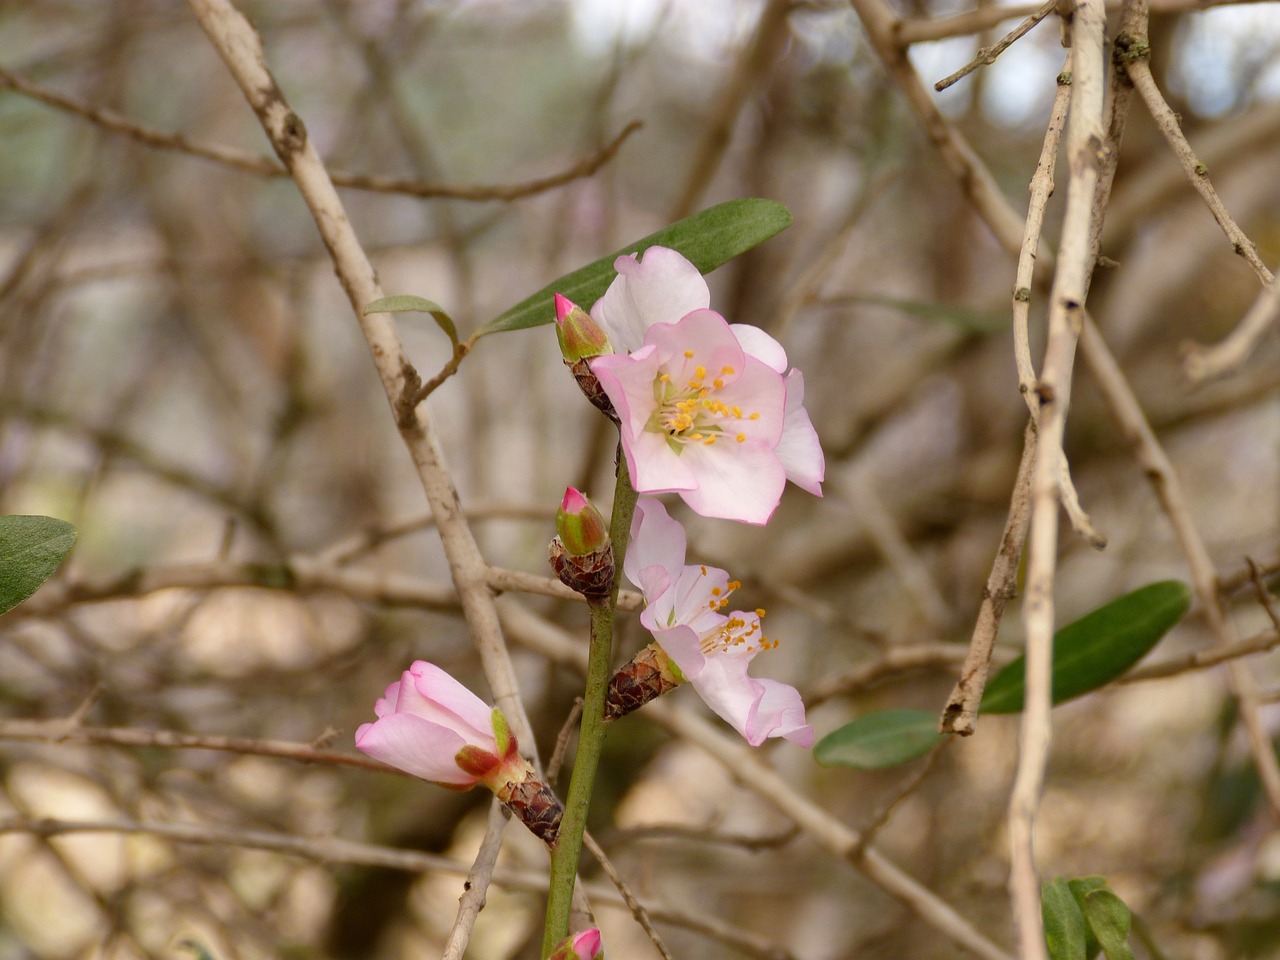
column 182, row 378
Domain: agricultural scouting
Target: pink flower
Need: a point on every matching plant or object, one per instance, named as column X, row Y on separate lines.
column 704, row 408
column 585, row 945
column 426, row 719
column 711, row 651
column 433, row 727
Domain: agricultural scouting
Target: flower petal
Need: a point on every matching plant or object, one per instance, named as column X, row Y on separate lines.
column 780, row 713
column 761, row 346
column 655, row 558
column 660, row 287
column 799, row 449
column 416, row 746
column 428, row 692
column 736, row 481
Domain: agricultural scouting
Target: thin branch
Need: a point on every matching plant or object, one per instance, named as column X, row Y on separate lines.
column 476, row 888
column 1263, row 642
column 987, row 55
column 1134, row 56
column 1040, row 189
column 266, row 167
column 960, row 715
column 637, row 909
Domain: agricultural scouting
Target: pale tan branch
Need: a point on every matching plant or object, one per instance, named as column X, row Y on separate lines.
column 960, row 715
column 1086, row 130
column 1139, row 71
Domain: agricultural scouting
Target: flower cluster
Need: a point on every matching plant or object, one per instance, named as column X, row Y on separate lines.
column 706, row 408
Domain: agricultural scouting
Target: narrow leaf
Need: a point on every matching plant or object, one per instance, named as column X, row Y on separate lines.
column 707, row 239
column 31, row 549
column 1109, row 920
column 879, row 740
column 1097, row 648
column 408, row 303
column 1064, row 926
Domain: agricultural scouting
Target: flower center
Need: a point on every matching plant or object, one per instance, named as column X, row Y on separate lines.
column 693, row 413
column 736, row 634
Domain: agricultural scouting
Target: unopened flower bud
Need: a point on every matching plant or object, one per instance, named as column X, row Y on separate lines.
column 581, row 553
column 580, row 525
column 581, row 338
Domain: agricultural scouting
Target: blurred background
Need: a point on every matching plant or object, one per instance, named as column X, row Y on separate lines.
column 182, row 379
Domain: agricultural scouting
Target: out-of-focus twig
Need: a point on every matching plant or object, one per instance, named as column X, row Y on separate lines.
column 266, row 167
column 882, row 529
column 1201, row 362
column 61, row 731
column 752, row 68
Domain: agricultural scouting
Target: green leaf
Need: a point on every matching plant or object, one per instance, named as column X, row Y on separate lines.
column 707, row 239
column 1109, row 920
column 1064, row 926
column 878, row 740
column 31, row 549
column 1097, row 648
column 408, row 303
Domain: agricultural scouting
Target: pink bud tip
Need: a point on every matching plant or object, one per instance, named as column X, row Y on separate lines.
column 574, row 502
column 563, row 307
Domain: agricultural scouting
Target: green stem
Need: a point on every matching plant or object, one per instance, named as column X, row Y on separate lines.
column 564, row 858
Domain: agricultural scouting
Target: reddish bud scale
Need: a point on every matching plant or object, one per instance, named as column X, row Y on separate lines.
column 646, row 676
column 535, row 805
column 590, row 387
column 590, row 574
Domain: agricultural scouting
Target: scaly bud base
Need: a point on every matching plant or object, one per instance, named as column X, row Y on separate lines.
column 535, row 805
